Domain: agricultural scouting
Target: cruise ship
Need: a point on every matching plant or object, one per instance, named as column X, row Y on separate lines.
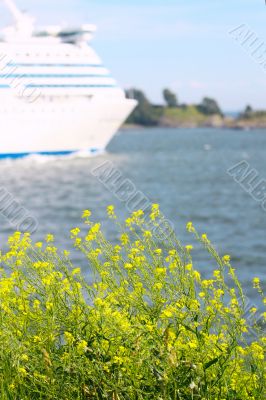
column 56, row 96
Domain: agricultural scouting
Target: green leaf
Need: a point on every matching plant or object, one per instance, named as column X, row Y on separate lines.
column 210, row 363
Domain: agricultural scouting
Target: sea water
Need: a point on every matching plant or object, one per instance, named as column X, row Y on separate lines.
column 184, row 170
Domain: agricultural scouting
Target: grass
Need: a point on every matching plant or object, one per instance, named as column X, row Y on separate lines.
column 146, row 325
column 188, row 114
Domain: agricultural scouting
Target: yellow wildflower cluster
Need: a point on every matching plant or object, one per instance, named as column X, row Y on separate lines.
column 144, row 323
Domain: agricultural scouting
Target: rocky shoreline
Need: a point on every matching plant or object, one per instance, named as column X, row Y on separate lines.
column 215, row 121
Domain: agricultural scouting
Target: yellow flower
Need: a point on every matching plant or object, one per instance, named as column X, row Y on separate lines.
column 189, row 247
column 128, row 266
column 118, row 360
column 192, row 345
column 51, row 249
column 155, row 207
column 124, row 239
column 115, row 259
column 158, row 286
column 95, row 228
column 234, row 302
column 226, row 259
column 82, row 347
column 48, row 280
column 205, row 239
column 129, row 222
column 69, row 338
column 76, row 271
column 189, row 267
column 38, row 245
column 155, row 212
column 49, row 305
column 217, row 274
column 89, row 238
column 172, row 253
column 147, row 234
column 98, row 302
column 158, row 251
column 160, row 271
column 36, row 304
column 240, row 350
column 172, row 266
column 111, row 212
column 168, row 312
column 49, row 238
column 24, row 357
column 22, row 371
column 74, row 232
column 196, row 276
column 78, row 242
column 137, row 214
column 190, row 227
column 256, row 282
column 206, row 283
column 110, row 209
column 86, row 214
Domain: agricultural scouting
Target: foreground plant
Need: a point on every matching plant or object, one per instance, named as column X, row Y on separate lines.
column 146, row 325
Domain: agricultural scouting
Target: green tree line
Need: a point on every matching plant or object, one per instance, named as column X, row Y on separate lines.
column 148, row 114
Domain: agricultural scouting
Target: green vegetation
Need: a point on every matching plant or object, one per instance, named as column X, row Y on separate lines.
column 248, row 113
column 209, row 106
column 251, row 119
column 173, row 114
column 183, row 115
column 145, row 114
column 145, row 326
column 170, row 98
column 206, row 114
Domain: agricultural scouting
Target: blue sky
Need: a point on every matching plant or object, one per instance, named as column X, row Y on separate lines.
column 180, row 44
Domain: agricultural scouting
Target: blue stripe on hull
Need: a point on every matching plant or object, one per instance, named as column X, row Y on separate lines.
column 43, row 153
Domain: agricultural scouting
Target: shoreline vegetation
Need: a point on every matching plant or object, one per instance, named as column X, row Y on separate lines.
column 146, row 325
column 175, row 115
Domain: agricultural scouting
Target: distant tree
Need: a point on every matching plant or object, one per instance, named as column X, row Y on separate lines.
column 248, row 109
column 209, row 106
column 145, row 113
column 247, row 112
column 170, row 98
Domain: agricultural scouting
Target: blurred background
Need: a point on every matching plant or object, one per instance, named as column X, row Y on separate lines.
column 184, row 45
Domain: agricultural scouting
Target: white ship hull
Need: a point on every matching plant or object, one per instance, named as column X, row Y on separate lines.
column 61, row 128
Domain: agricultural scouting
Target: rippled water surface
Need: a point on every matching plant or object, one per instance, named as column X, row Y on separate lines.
column 183, row 170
